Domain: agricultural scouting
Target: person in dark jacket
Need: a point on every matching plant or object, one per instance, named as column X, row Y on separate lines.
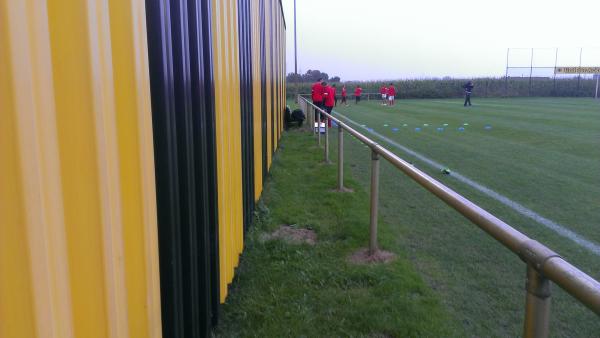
column 468, row 87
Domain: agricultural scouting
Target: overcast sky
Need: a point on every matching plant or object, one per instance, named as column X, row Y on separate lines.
column 393, row 39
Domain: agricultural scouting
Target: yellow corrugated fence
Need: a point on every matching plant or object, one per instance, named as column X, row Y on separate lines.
column 78, row 252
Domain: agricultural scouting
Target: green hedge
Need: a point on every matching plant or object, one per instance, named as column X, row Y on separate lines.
column 452, row 88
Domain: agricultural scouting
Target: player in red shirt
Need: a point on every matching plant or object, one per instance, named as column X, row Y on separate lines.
column 391, row 94
column 329, row 101
column 335, row 98
column 357, row 93
column 344, row 95
column 317, row 93
column 383, row 91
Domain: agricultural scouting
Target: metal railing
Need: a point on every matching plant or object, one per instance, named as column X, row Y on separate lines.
column 543, row 264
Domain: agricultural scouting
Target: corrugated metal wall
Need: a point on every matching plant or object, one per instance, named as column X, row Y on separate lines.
column 181, row 75
column 134, row 140
column 78, row 253
column 243, row 31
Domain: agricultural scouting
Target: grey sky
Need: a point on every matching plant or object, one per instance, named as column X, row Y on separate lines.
column 392, row 39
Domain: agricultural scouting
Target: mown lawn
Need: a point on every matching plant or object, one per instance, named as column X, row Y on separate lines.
column 291, row 290
column 541, row 153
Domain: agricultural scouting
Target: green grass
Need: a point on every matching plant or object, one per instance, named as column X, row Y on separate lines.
column 286, row 290
column 541, row 153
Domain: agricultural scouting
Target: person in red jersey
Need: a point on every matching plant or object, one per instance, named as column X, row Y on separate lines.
column 391, row 94
column 335, row 97
column 325, row 92
column 357, row 93
column 317, row 93
column 344, row 95
column 329, row 101
column 384, row 92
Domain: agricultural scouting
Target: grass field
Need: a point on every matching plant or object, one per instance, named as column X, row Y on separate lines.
column 543, row 154
column 451, row 279
column 291, row 290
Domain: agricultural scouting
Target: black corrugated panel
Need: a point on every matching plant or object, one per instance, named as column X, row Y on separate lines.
column 165, row 157
column 185, row 165
column 245, row 56
column 263, row 86
column 203, row 121
column 210, row 163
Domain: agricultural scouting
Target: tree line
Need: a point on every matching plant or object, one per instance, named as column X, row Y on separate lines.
column 452, row 88
column 311, row 76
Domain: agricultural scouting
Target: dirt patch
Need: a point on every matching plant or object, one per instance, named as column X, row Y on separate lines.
column 292, row 234
column 362, row 256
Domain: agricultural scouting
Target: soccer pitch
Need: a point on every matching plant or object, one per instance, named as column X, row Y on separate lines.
column 532, row 162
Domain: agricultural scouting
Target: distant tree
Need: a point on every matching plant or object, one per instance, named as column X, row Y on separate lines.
column 313, row 75
column 293, row 77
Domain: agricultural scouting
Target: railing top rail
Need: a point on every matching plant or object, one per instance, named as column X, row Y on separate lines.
column 541, row 258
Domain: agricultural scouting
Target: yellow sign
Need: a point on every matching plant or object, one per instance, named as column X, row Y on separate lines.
column 577, row 70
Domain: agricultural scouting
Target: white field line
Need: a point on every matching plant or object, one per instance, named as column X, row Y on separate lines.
column 550, row 224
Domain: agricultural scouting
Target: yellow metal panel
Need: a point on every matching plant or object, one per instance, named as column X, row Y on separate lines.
column 220, row 131
column 228, row 137
column 275, row 13
column 134, row 131
column 283, row 69
column 78, row 249
column 238, row 128
column 17, row 309
column 269, row 86
column 78, row 95
column 34, row 289
column 231, row 138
